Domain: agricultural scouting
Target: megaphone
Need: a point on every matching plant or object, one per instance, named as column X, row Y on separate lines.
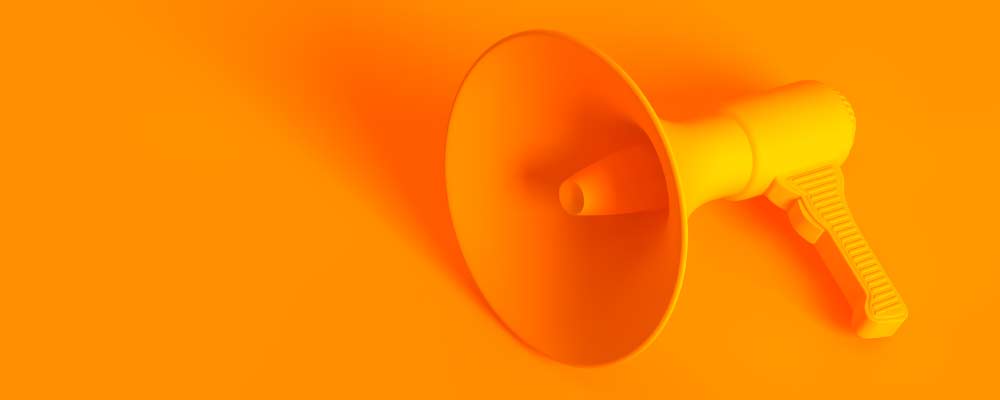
column 570, row 197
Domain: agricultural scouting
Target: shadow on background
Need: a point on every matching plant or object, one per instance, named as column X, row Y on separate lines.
column 396, row 93
column 826, row 301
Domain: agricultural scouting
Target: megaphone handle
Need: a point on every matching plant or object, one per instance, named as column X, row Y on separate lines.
column 818, row 210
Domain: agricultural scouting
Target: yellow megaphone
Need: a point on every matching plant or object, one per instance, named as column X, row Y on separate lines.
column 570, row 197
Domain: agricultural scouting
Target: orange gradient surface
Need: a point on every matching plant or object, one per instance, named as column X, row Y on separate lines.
column 247, row 199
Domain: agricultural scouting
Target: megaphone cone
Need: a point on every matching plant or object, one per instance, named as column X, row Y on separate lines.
column 570, row 197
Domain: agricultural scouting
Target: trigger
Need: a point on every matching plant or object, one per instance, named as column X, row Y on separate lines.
column 783, row 195
column 803, row 222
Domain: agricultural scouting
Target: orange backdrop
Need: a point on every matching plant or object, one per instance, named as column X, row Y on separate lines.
column 246, row 199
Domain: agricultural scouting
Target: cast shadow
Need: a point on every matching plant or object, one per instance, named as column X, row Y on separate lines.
column 396, row 96
column 827, row 301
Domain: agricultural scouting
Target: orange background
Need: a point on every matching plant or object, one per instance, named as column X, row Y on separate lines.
column 247, row 199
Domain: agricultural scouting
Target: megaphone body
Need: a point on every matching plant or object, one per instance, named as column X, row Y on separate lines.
column 570, row 196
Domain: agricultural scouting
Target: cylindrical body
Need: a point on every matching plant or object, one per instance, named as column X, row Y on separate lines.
column 792, row 129
column 713, row 157
column 738, row 153
column 735, row 154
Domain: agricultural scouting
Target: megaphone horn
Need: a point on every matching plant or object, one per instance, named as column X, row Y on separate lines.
column 570, row 197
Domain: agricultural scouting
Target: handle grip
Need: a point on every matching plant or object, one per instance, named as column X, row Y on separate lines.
column 817, row 208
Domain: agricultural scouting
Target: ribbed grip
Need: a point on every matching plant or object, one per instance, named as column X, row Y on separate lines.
column 820, row 215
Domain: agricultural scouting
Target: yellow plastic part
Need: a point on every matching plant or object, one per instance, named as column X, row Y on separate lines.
column 787, row 144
